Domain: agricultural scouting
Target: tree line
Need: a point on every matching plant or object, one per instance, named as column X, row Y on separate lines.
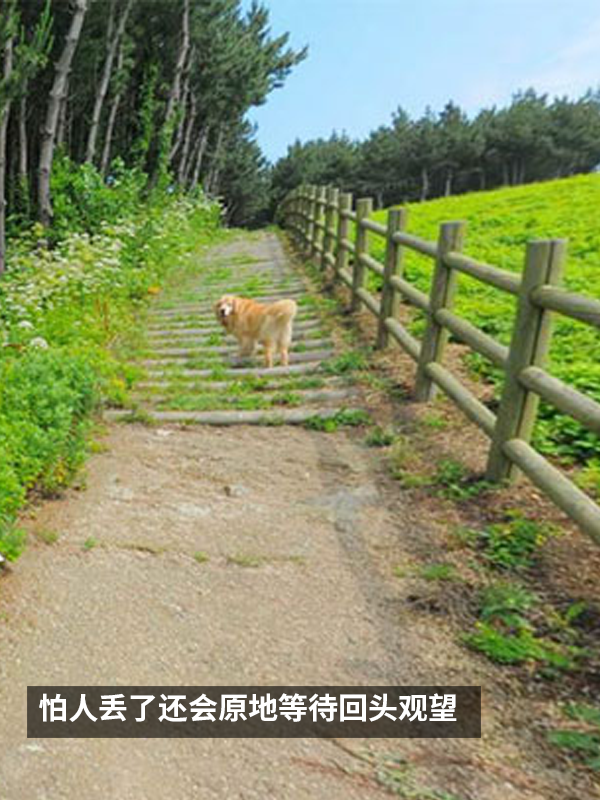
column 532, row 139
column 160, row 86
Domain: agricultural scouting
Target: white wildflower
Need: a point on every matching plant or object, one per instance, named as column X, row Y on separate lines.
column 39, row 343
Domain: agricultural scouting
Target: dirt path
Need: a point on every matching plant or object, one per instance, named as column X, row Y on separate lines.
column 297, row 533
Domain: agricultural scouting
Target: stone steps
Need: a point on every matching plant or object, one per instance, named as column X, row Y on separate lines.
column 306, row 396
column 188, row 361
column 259, row 372
column 175, row 327
column 274, row 384
column 234, row 360
column 207, row 306
column 228, row 349
column 293, row 416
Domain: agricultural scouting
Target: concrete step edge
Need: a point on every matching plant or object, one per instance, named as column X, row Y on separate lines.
column 294, row 416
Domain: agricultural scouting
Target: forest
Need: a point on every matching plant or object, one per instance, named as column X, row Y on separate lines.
column 154, row 92
column 535, row 138
column 124, row 148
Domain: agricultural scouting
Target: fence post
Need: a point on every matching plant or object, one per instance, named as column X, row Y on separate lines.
column 303, row 214
column 297, row 211
column 530, row 342
column 364, row 209
column 310, row 218
column 328, row 240
column 304, row 211
column 396, row 221
column 317, row 243
column 443, row 287
column 344, row 204
column 290, row 214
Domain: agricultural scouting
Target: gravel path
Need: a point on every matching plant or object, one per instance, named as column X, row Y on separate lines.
column 297, row 533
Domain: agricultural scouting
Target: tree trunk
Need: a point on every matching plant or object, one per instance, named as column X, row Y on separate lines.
column 114, row 35
column 187, row 141
column 448, row 184
column 424, row 184
column 175, row 93
column 166, row 134
column 212, row 181
column 57, row 93
column 4, row 115
column 505, row 180
column 23, row 147
column 23, row 162
column 61, row 130
column 185, row 99
column 112, row 117
column 196, row 162
column 188, row 167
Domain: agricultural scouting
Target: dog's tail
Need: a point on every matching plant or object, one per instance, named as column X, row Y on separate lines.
column 284, row 309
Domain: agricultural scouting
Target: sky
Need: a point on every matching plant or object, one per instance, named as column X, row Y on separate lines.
column 367, row 57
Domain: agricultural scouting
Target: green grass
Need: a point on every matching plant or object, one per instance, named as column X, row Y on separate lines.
column 248, row 393
column 500, row 223
column 345, row 418
column 438, row 572
column 12, row 542
column 515, row 543
column 507, row 631
column 47, row 536
column 581, row 740
column 434, row 421
column 348, row 362
column 454, row 482
column 90, row 543
column 380, row 437
column 246, row 561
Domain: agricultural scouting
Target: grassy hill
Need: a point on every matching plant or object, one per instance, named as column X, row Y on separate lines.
column 500, row 223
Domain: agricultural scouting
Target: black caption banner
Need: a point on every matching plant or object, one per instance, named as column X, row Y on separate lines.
column 253, row 712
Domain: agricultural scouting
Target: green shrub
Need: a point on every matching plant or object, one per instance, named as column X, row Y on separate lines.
column 514, row 544
column 520, row 646
column 83, row 200
column 455, row 483
column 506, row 634
column 12, row 542
column 68, row 321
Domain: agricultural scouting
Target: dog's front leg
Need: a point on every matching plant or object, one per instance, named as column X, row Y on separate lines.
column 268, row 356
column 247, row 347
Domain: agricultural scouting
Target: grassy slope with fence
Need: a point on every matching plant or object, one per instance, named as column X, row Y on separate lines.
column 68, row 318
column 321, row 220
column 499, row 224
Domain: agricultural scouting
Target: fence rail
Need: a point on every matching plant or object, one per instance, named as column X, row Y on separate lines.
column 321, row 221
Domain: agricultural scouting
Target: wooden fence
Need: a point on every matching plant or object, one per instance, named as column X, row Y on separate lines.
column 325, row 226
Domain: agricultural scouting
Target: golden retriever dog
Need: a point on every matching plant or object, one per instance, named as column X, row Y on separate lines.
column 251, row 322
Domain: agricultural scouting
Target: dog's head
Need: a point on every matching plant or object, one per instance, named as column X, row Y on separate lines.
column 225, row 308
